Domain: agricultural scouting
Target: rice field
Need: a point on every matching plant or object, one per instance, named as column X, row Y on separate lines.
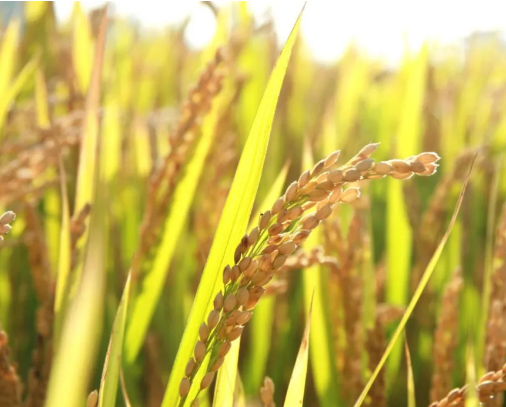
column 244, row 226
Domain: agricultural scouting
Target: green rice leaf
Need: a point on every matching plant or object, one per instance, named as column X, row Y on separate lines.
column 234, row 218
column 410, row 378
column 225, row 382
column 297, row 385
column 112, row 364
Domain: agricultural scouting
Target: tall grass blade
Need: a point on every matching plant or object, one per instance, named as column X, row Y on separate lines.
column 234, row 218
column 225, row 382
column 88, row 155
column 410, row 378
column 418, row 292
column 62, row 277
column 112, row 364
column 297, row 385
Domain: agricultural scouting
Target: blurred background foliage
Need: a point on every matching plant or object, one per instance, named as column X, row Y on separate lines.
column 435, row 100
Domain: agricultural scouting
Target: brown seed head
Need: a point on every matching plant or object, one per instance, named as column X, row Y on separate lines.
column 243, row 317
column 92, row 399
column 282, row 215
column 224, row 349
column 264, row 220
column 309, row 222
column 349, row 195
column 264, row 262
column 242, row 296
column 326, row 186
column 287, row 247
column 238, row 253
column 331, row 159
column 416, row 166
column 400, row 166
column 270, row 249
column 203, row 332
column 383, row 168
column 427, row 158
column 226, row 275
column 304, row 179
column 213, row 319
column 278, row 205
column 200, row 351
column 300, row 237
column 251, row 269
column 294, row 213
column 279, row 261
column 275, row 229
column 184, row 387
column 368, row 150
column 322, row 177
column 364, row 165
column 430, row 169
column 317, row 195
column 232, row 317
column 217, row 364
column 253, row 236
column 324, row 212
column 207, row 380
column 291, row 191
column 235, row 333
column 318, row 168
column 190, row 366
column 335, row 176
column 244, row 263
column 230, row 303
column 218, row 301
column 254, row 295
column 401, row 175
column 7, row 217
column 352, row 175
column 234, row 273
column 335, row 196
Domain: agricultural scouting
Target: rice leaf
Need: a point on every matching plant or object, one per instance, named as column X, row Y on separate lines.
column 234, row 218
column 88, row 157
column 112, row 364
column 15, row 87
column 418, row 292
column 297, row 385
column 225, row 382
column 227, row 375
column 82, row 48
column 80, row 334
column 62, row 278
column 410, row 378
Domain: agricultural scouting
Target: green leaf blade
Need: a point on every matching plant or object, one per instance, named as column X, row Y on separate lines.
column 234, row 218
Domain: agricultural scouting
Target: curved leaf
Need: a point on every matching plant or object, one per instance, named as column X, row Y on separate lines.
column 112, row 364
column 234, row 218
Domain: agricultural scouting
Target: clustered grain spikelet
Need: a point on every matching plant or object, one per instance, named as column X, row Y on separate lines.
column 489, row 386
column 280, row 231
column 445, row 340
column 267, row 393
column 182, row 139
